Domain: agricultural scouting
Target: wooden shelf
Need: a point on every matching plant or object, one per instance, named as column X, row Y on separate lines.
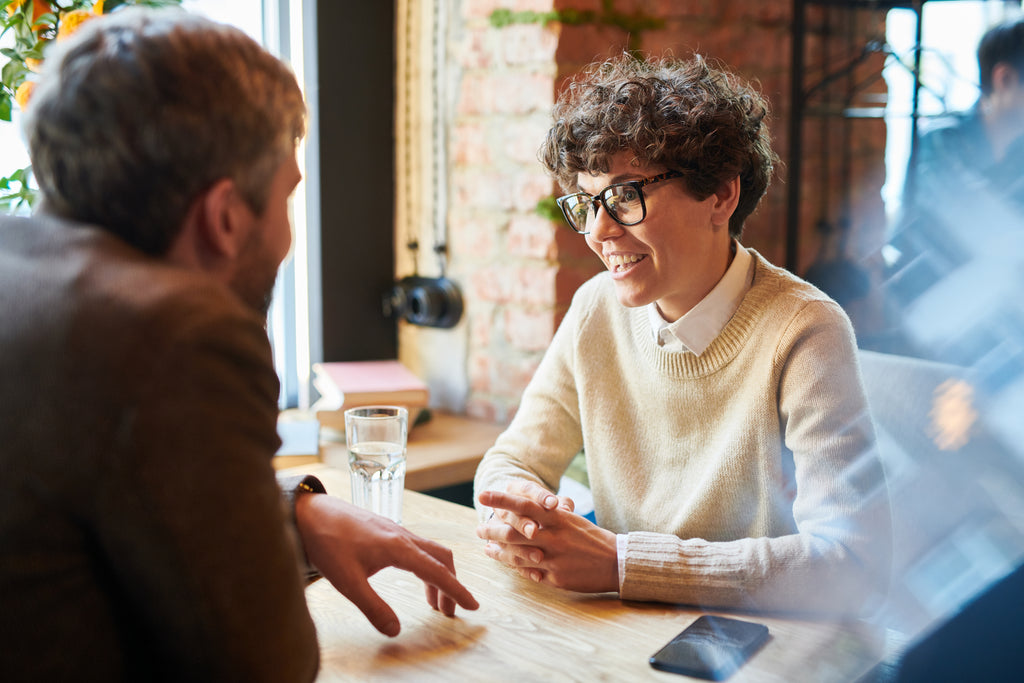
column 441, row 452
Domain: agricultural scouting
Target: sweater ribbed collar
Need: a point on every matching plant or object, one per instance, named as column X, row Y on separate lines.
column 727, row 345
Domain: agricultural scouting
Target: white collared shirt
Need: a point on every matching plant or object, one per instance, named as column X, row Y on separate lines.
column 696, row 330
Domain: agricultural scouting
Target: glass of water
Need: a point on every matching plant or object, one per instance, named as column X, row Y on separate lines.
column 376, row 437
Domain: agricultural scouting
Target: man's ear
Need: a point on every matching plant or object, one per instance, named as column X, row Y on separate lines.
column 1005, row 77
column 225, row 219
column 724, row 202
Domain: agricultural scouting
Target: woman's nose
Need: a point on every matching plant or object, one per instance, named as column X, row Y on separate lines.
column 601, row 226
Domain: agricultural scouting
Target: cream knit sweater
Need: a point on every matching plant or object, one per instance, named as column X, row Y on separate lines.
column 746, row 477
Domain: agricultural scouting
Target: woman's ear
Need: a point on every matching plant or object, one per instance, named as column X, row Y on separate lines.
column 225, row 219
column 725, row 200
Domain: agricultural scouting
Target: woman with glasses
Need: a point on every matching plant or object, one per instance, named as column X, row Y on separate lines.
column 717, row 398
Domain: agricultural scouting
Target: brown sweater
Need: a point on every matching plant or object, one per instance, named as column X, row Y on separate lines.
column 744, row 477
column 142, row 533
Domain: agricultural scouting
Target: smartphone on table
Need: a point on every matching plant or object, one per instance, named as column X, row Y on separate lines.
column 712, row 648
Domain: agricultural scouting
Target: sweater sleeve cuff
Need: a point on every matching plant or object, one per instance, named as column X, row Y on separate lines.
column 665, row 568
column 655, row 568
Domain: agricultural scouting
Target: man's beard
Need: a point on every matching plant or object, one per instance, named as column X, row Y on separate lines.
column 255, row 278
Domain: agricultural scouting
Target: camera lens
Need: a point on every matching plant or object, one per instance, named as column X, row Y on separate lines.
column 426, row 304
column 432, row 302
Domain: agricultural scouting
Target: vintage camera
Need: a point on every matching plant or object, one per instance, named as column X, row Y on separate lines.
column 427, row 301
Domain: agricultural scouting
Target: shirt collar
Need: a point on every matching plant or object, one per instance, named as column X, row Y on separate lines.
column 696, row 330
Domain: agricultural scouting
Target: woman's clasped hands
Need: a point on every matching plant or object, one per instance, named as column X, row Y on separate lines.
column 539, row 535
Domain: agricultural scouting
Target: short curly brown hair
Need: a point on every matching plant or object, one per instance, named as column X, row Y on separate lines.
column 686, row 115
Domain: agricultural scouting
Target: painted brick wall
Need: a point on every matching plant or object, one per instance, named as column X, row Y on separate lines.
column 518, row 269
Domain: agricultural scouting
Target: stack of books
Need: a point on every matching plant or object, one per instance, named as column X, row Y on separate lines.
column 344, row 385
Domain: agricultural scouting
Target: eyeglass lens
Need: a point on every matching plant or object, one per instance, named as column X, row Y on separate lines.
column 623, row 203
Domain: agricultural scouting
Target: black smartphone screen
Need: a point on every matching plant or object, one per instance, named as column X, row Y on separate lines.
column 712, row 648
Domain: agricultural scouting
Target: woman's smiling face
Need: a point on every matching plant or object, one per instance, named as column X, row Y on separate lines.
column 677, row 254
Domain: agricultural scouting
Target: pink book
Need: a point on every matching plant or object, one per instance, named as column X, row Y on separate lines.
column 346, row 384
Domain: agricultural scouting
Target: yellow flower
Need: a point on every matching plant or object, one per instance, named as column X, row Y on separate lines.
column 23, row 93
column 72, row 21
column 39, row 8
column 98, row 7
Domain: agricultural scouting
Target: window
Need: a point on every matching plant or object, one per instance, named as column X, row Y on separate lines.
column 950, row 33
column 279, row 25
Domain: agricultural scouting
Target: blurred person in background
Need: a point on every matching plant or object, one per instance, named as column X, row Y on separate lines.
column 953, row 275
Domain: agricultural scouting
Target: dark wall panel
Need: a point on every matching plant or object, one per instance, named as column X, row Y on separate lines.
column 356, row 94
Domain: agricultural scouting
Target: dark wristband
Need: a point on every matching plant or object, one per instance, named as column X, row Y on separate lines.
column 310, row 484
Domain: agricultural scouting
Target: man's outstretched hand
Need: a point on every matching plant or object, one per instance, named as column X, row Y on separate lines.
column 348, row 545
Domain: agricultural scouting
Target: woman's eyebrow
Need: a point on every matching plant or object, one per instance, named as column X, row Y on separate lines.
column 615, row 180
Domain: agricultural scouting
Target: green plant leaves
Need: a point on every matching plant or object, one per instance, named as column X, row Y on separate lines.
column 23, row 197
column 633, row 24
column 548, row 208
column 30, row 42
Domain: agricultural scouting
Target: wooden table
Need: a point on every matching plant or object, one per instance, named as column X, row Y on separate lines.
column 443, row 451
column 528, row 632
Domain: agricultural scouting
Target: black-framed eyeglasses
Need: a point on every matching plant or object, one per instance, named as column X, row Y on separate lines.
column 624, row 202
